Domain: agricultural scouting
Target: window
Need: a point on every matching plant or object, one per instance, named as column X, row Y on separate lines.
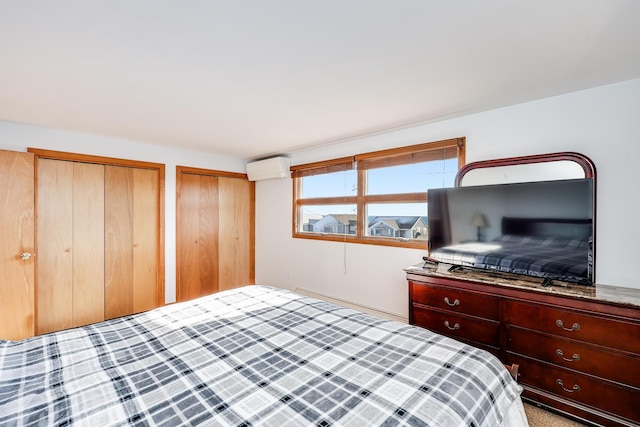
column 376, row 198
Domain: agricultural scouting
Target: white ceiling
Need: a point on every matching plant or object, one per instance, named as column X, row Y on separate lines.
column 251, row 79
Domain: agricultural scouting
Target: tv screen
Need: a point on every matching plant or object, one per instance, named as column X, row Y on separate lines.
column 543, row 229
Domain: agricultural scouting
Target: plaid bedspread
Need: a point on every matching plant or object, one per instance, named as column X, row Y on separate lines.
column 555, row 258
column 252, row 356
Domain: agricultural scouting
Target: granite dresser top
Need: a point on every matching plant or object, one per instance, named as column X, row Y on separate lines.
column 598, row 292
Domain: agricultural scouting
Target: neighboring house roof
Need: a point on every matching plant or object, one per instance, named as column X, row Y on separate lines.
column 346, row 219
column 398, row 222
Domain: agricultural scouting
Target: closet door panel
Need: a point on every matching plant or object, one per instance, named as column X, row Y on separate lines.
column 118, row 241
column 198, row 236
column 145, row 239
column 17, row 224
column 244, row 196
column 208, row 235
column 88, row 243
column 236, row 233
column 227, row 225
column 188, row 233
column 55, row 245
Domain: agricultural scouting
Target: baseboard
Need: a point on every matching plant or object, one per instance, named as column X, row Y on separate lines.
column 353, row 305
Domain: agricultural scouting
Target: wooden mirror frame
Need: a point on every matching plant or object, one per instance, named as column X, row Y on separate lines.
column 583, row 161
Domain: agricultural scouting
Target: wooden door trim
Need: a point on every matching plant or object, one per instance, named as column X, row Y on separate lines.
column 209, row 172
column 112, row 161
column 182, row 170
column 87, row 158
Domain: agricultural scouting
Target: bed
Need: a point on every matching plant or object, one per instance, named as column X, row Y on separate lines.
column 256, row 355
column 554, row 249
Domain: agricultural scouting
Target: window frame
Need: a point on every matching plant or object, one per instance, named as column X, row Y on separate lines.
column 361, row 163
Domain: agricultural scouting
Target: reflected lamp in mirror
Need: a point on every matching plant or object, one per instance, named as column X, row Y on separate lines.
column 480, row 221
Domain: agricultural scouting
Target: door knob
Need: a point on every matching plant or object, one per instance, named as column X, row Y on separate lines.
column 26, row 255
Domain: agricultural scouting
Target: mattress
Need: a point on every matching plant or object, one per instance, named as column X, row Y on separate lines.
column 257, row 355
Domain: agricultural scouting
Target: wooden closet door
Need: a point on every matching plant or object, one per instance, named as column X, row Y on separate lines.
column 16, row 238
column 88, row 243
column 70, row 241
column 55, row 245
column 131, row 240
column 146, row 238
column 215, row 246
column 100, row 228
column 236, row 233
column 197, row 235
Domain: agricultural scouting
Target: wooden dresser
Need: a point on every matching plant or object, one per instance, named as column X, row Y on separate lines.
column 578, row 347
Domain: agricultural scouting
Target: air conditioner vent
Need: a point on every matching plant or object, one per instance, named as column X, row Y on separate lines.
column 275, row 167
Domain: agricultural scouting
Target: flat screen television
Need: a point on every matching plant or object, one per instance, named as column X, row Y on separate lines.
column 542, row 229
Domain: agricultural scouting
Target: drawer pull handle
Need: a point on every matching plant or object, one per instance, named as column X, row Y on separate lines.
column 574, row 358
column 575, row 326
column 576, row 387
column 454, row 327
column 452, row 304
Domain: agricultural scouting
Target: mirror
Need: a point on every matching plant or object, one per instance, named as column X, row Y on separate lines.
column 543, row 167
column 550, row 171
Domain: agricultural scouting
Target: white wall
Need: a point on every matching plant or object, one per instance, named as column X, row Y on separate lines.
column 602, row 123
column 18, row 137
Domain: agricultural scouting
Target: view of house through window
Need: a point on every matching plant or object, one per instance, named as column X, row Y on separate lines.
column 378, row 198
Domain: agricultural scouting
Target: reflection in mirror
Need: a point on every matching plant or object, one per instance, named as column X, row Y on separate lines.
column 549, row 171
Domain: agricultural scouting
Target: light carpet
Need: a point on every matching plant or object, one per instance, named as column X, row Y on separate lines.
column 538, row 417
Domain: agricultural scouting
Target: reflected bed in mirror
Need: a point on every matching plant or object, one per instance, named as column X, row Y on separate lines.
column 543, row 228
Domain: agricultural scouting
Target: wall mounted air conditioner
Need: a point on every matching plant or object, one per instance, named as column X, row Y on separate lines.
column 275, row 167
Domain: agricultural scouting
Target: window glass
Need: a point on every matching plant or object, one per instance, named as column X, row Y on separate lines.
column 329, row 219
column 390, row 209
column 412, row 178
column 343, row 183
column 397, row 220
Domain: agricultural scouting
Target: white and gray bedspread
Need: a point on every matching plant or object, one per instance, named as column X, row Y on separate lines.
column 252, row 356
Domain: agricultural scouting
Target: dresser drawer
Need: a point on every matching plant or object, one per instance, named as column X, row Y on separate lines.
column 459, row 326
column 602, row 395
column 620, row 334
column 575, row 355
column 455, row 300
